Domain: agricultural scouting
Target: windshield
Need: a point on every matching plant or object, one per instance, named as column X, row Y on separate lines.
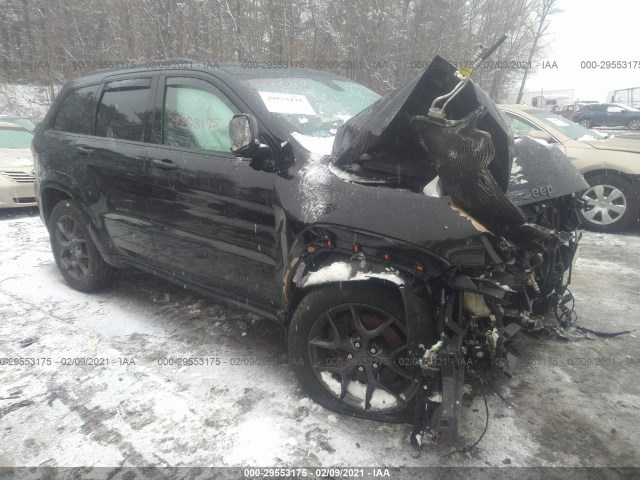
column 313, row 108
column 567, row 127
column 15, row 138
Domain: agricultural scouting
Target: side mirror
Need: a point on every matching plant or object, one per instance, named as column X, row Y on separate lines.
column 539, row 134
column 244, row 133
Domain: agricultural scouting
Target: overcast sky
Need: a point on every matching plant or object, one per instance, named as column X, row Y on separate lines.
column 591, row 31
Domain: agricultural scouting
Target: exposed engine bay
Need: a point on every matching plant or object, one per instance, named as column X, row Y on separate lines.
column 441, row 134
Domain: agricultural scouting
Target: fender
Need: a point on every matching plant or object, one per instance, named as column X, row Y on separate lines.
column 324, row 244
column 330, row 253
column 95, row 230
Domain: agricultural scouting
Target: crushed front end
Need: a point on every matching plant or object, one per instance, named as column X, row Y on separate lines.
column 443, row 133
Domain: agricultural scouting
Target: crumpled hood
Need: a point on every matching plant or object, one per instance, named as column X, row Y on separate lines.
column 384, row 127
column 15, row 158
column 540, row 172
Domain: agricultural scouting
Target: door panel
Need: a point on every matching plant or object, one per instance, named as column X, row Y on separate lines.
column 212, row 213
column 116, row 157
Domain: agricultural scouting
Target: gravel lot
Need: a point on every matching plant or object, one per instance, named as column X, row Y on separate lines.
column 570, row 403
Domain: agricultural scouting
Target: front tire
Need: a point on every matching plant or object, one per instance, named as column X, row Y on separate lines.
column 347, row 346
column 613, row 204
column 76, row 255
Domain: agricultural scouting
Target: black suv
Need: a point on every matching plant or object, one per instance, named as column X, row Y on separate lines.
column 377, row 229
column 607, row 115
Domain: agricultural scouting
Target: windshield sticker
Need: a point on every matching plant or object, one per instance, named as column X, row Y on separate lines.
column 287, row 103
column 557, row 121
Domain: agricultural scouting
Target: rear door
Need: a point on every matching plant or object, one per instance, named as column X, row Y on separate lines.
column 598, row 114
column 616, row 115
column 213, row 213
column 117, row 157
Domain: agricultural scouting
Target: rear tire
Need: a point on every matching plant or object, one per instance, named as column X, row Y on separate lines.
column 337, row 362
column 613, row 204
column 634, row 124
column 76, row 255
column 586, row 123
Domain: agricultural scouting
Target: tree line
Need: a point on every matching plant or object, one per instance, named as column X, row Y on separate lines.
column 380, row 43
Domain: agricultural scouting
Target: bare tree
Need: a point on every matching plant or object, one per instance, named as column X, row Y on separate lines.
column 543, row 9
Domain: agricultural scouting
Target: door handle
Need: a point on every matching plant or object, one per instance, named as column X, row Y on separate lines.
column 164, row 164
column 84, row 151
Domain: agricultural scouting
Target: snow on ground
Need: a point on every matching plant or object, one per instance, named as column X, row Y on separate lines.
column 246, row 408
column 25, row 100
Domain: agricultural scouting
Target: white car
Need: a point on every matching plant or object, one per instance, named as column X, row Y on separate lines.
column 16, row 167
column 611, row 166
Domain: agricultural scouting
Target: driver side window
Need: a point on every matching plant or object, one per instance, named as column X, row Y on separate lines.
column 196, row 116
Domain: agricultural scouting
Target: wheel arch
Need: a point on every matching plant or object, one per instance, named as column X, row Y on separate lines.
column 627, row 175
column 409, row 278
column 371, row 257
column 51, row 194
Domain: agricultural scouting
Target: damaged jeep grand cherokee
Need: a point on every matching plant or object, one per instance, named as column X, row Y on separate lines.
column 403, row 239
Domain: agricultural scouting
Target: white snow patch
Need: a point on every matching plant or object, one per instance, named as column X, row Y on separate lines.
column 316, row 145
column 542, row 142
column 433, row 188
column 516, row 173
column 436, row 397
column 380, row 400
column 389, row 276
column 588, row 137
column 336, row 272
column 332, row 383
column 313, row 189
column 341, row 272
column 342, row 175
column 495, row 336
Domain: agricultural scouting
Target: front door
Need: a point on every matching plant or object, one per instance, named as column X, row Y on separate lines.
column 212, row 212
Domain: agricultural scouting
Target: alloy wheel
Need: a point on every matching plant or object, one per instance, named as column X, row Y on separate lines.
column 356, row 353
column 606, row 204
column 72, row 247
column 634, row 124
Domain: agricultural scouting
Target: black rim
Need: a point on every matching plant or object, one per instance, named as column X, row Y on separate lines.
column 72, row 247
column 356, row 352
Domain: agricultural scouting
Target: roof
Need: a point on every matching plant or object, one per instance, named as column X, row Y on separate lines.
column 233, row 70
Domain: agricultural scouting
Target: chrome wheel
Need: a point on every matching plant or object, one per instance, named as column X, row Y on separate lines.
column 355, row 351
column 585, row 123
column 606, row 204
column 72, row 247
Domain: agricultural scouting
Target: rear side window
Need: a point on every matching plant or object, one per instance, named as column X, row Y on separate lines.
column 196, row 115
column 77, row 111
column 123, row 111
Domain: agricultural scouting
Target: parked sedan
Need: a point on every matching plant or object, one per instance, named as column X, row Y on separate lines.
column 607, row 115
column 610, row 165
column 16, row 167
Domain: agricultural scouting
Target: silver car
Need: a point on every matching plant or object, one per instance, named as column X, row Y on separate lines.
column 16, row 167
column 610, row 165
